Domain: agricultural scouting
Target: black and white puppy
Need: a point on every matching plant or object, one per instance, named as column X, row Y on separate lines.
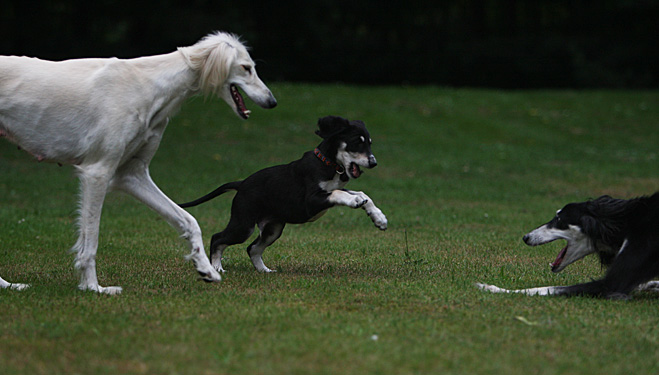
column 298, row 192
column 623, row 233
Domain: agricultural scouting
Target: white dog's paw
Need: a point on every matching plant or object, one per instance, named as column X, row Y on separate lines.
column 203, row 266
column 109, row 290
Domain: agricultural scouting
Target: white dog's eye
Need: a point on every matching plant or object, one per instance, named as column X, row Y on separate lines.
column 247, row 68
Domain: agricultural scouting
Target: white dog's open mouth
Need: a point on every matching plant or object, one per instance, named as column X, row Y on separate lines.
column 239, row 102
column 354, row 170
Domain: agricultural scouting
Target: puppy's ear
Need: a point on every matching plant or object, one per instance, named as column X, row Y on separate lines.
column 330, row 126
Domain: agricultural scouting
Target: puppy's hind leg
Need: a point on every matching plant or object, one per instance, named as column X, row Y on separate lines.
column 270, row 232
column 237, row 231
column 217, row 249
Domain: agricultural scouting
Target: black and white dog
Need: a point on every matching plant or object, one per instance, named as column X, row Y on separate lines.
column 298, row 192
column 625, row 235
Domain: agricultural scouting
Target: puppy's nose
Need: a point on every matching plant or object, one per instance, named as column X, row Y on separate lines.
column 372, row 162
column 526, row 239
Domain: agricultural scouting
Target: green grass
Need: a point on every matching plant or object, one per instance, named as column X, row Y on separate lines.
column 462, row 175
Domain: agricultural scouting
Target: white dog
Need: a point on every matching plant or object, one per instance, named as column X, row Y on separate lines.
column 107, row 117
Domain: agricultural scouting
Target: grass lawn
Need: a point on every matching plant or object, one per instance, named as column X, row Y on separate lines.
column 462, row 176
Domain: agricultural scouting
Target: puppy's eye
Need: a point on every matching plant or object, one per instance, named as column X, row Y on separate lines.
column 362, row 139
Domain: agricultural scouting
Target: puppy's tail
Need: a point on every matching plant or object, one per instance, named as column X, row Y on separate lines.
column 219, row 191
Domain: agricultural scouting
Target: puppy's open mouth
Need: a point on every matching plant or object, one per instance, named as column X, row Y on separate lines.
column 559, row 259
column 354, row 170
column 239, row 102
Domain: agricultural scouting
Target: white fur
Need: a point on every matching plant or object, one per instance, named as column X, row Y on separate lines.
column 541, row 291
column 357, row 199
column 107, row 117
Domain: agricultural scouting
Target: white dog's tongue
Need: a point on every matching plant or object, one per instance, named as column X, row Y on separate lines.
column 559, row 258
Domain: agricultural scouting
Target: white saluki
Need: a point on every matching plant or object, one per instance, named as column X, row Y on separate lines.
column 107, row 117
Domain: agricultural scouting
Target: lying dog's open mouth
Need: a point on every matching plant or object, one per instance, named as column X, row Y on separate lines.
column 559, row 259
column 239, row 102
column 354, row 170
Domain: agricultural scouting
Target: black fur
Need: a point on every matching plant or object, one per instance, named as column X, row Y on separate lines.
column 608, row 223
column 291, row 193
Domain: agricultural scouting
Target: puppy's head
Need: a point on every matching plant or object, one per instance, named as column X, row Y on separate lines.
column 584, row 228
column 348, row 143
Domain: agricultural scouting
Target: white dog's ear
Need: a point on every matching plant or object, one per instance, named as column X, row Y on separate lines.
column 212, row 58
column 216, row 67
column 330, row 126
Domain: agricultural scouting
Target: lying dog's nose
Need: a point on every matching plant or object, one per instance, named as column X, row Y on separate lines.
column 372, row 162
column 526, row 239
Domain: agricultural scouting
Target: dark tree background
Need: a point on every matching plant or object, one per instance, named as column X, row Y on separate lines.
column 488, row 43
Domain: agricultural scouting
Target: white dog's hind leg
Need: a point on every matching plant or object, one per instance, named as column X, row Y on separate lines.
column 5, row 284
column 135, row 180
column 94, row 185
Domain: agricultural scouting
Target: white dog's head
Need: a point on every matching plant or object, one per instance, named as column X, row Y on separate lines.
column 224, row 65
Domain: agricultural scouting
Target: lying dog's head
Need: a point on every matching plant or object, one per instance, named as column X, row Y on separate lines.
column 348, row 143
column 589, row 227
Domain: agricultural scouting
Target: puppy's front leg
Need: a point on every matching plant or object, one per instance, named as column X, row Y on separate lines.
column 357, row 199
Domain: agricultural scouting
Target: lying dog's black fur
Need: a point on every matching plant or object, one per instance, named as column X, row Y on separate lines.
column 298, row 192
column 624, row 233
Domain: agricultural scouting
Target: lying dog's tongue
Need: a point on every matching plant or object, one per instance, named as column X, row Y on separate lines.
column 559, row 258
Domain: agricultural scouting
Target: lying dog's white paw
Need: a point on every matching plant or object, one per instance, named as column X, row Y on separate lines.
column 17, row 286
column 490, row 288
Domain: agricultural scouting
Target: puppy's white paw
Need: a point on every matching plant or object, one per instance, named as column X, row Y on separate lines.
column 379, row 220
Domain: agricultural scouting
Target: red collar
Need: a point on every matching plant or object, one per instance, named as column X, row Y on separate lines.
column 339, row 169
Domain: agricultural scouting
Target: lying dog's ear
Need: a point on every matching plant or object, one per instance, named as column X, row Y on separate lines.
column 330, row 126
column 590, row 226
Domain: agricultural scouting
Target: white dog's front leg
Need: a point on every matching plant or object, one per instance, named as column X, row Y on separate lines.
column 357, row 199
